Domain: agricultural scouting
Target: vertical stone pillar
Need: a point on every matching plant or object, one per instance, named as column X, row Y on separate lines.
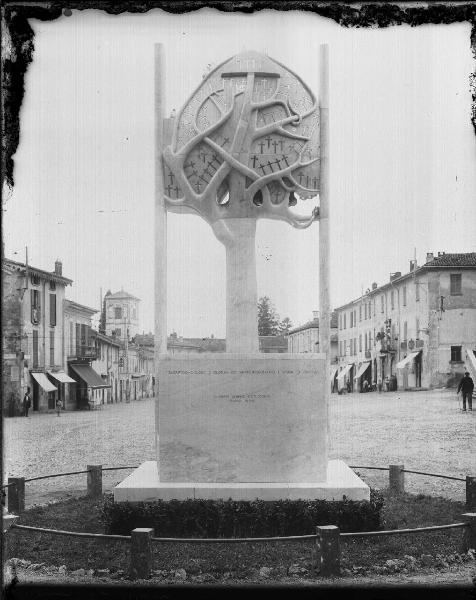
column 470, row 492
column 396, row 480
column 16, row 495
column 160, row 248
column 94, row 480
column 238, row 237
column 324, row 230
column 469, row 540
column 328, row 550
column 141, row 553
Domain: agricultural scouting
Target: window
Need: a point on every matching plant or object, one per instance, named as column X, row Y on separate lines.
column 118, row 312
column 35, row 306
column 365, row 311
column 345, row 320
column 404, row 296
column 456, row 354
column 375, row 310
column 52, row 348
column 52, row 310
column 392, row 299
column 71, row 334
column 417, row 328
column 405, row 331
column 35, row 279
column 360, row 312
column 52, row 286
column 355, row 317
column 382, row 303
column 118, row 332
column 455, row 284
column 360, row 343
column 78, row 339
column 417, row 291
column 35, row 348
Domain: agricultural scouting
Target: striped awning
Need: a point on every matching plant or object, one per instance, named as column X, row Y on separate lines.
column 344, row 372
column 44, row 382
column 408, row 359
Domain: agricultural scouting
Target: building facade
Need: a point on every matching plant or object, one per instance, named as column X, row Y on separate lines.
column 106, row 363
column 412, row 332
column 33, row 336
column 122, row 315
column 89, row 388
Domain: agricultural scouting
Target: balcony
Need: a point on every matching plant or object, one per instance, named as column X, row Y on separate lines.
column 84, row 352
column 386, row 346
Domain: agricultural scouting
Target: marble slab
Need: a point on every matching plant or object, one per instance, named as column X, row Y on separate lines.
column 143, row 485
column 255, row 418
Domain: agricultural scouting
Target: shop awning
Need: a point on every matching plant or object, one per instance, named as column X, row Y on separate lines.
column 363, row 367
column 44, row 382
column 89, row 376
column 333, row 373
column 61, row 376
column 344, row 372
column 408, row 359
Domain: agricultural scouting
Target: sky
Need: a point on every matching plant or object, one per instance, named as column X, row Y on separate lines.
column 402, row 157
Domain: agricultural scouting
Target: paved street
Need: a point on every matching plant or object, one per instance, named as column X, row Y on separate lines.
column 423, row 430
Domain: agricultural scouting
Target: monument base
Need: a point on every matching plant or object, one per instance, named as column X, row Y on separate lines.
column 143, row 485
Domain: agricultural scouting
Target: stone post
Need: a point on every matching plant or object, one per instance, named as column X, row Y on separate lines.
column 328, row 550
column 16, row 495
column 469, row 540
column 470, row 492
column 396, row 480
column 94, row 479
column 324, row 230
column 141, row 553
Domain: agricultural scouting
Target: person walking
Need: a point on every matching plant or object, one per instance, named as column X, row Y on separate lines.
column 59, row 406
column 26, row 402
column 466, row 387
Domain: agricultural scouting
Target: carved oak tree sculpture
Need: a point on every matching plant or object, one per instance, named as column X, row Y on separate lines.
column 242, row 145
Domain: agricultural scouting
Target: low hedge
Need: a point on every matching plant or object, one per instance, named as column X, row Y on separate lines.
column 231, row 518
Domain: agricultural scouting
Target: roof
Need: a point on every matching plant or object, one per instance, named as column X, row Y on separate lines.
column 49, row 275
column 121, row 294
column 314, row 324
column 458, row 260
column 106, row 338
column 467, row 259
column 70, row 304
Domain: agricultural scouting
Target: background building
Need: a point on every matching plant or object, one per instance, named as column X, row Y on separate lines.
column 414, row 331
column 33, row 340
column 80, row 347
column 122, row 315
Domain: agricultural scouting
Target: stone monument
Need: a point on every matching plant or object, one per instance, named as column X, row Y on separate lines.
column 242, row 424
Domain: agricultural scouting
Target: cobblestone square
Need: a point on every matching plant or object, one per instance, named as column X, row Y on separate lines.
column 425, row 431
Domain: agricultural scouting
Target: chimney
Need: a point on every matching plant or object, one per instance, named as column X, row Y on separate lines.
column 58, row 268
column 429, row 257
column 315, row 315
column 440, row 254
column 374, row 285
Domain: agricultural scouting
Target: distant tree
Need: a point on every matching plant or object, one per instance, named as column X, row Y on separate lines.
column 285, row 325
column 102, row 320
column 269, row 321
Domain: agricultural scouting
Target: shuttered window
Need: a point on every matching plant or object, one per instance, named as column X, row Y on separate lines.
column 53, row 310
